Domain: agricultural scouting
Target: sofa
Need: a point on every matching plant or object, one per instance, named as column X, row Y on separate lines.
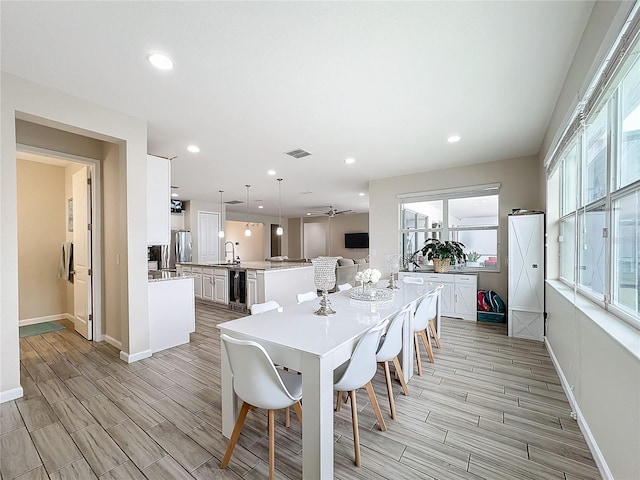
column 347, row 268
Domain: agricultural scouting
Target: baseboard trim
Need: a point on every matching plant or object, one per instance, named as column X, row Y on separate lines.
column 130, row 358
column 582, row 423
column 12, row 394
column 46, row 318
column 112, row 341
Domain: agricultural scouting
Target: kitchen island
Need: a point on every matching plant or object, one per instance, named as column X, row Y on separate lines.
column 241, row 285
column 172, row 315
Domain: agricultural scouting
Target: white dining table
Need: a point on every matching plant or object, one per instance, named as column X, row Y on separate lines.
column 315, row 345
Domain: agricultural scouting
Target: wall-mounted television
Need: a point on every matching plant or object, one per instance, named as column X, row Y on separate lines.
column 356, row 240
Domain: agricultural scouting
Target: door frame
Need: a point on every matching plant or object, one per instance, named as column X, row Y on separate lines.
column 96, row 232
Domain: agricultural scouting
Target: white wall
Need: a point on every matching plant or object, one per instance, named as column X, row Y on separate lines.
column 516, row 191
column 41, row 233
column 29, row 101
column 587, row 343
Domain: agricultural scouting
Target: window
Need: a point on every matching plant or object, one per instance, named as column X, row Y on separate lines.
column 599, row 224
column 468, row 216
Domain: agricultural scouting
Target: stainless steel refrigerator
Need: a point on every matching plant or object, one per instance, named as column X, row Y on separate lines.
column 178, row 252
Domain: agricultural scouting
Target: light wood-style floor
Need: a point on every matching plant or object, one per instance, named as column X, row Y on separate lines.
column 491, row 407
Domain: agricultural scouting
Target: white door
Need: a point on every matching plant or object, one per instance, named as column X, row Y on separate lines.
column 526, row 263
column 82, row 291
column 315, row 240
column 466, row 299
column 208, row 239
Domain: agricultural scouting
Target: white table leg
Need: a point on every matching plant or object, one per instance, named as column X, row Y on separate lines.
column 229, row 398
column 406, row 355
column 317, row 417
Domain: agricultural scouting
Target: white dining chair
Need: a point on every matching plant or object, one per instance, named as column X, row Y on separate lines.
column 356, row 373
column 306, row 297
column 259, row 385
column 257, row 308
column 344, row 286
column 390, row 347
column 424, row 325
column 413, row 279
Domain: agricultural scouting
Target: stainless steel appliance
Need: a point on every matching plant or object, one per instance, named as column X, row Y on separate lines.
column 178, row 252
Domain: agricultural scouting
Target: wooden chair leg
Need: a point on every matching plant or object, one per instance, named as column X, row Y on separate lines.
column 338, row 402
column 417, row 350
column 236, row 433
column 354, row 422
column 287, row 417
column 427, row 345
column 297, row 407
column 434, row 333
column 376, row 407
column 272, row 444
column 387, row 377
column 405, row 388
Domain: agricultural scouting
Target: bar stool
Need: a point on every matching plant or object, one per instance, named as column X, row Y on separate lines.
column 423, row 321
column 257, row 308
column 306, row 297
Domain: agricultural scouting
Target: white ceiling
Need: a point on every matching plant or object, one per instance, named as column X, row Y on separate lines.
column 383, row 82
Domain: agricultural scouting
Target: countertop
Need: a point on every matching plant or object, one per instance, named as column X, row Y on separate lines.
column 162, row 275
column 459, row 271
column 251, row 265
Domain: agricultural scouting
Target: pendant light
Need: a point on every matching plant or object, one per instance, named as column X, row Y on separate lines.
column 221, row 231
column 279, row 230
column 247, row 232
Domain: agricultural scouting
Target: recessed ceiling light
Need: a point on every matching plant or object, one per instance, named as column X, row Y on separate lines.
column 271, row 172
column 361, row 194
column 350, row 161
column 160, row 61
column 174, row 195
column 260, row 206
column 454, row 138
column 193, row 148
column 308, row 214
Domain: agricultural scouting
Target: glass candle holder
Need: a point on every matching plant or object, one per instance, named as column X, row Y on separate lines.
column 324, row 277
column 392, row 263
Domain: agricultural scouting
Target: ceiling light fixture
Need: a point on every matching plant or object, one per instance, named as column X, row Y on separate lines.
column 454, row 138
column 350, row 161
column 193, row 148
column 279, row 230
column 221, row 231
column 247, row 231
column 271, row 172
column 361, row 194
column 260, row 206
column 160, row 61
column 308, row 214
column 174, row 195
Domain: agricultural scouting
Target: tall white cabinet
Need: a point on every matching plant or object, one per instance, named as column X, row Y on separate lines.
column 526, row 276
column 158, row 200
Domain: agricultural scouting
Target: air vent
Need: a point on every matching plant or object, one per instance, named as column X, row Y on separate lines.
column 298, row 153
column 234, row 202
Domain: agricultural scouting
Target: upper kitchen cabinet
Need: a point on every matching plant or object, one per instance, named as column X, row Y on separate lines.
column 158, row 200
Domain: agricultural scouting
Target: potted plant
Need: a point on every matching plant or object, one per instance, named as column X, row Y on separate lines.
column 472, row 259
column 442, row 253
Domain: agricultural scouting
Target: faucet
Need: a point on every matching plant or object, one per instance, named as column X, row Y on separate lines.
column 234, row 260
column 233, row 251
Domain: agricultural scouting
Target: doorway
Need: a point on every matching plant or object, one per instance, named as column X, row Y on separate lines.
column 276, row 242
column 59, row 252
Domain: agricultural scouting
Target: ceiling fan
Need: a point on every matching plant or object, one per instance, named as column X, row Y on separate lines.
column 332, row 212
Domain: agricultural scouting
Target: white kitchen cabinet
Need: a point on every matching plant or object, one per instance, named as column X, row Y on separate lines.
column 526, row 276
column 459, row 294
column 197, row 281
column 252, row 288
column 158, row 200
column 207, row 284
column 220, row 289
